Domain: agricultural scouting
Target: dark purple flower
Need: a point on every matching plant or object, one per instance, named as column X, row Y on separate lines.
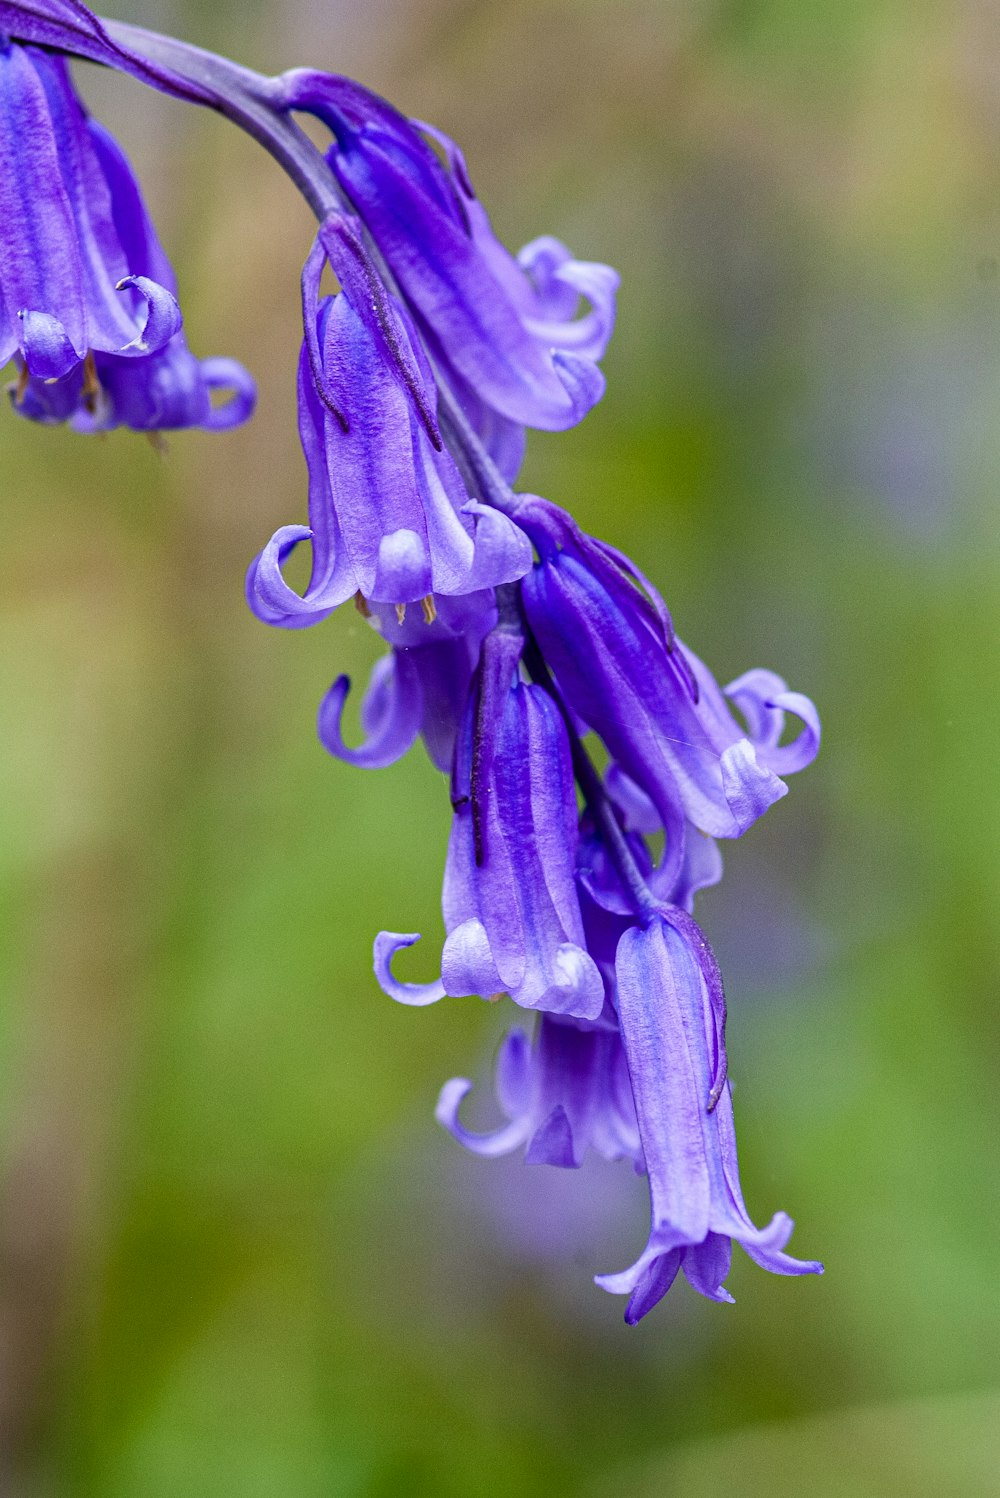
column 608, row 639
column 511, row 910
column 389, row 515
column 668, row 999
column 504, row 329
column 567, row 1093
column 87, row 296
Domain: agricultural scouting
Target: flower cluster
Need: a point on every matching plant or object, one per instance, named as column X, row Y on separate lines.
column 88, row 299
column 512, row 636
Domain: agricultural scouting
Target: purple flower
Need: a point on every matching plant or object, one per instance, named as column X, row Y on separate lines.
column 609, row 641
column 389, row 515
column 504, row 330
column 511, row 909
column 416, row 382
column 421, row 686
column 87, row 296
column 668, row 999
column 567, row 1093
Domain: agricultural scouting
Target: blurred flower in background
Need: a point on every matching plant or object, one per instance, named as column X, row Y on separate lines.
column 211, row 1116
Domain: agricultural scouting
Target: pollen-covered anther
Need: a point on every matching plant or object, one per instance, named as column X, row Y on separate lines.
column 91, row 383
column 361, row 604
column 21, row 386
column 400, row 612
column 429, row 609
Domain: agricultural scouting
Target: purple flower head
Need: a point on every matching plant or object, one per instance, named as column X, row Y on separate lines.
column 389, row 515
column 506, row 330
column 88, row 302
column 567, row 1093
column 421, row 686
column 609, row 641
column 672, row 1016
column 511, row 910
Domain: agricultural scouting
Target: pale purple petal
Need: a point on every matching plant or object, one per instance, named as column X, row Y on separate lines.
column 387, row 944
column 390, row 715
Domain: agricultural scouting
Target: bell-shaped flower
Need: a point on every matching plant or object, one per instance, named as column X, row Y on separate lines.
column 88, row 303
column 565, row 1094
column 389, row 515
column 511, row 910
column 506, row 329
column 420, row 687
column 671, row 1014
column 609, row 641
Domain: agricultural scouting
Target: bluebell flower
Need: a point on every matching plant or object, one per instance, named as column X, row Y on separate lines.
column 503, row 330
column 567, row 1093
column 609, row 641
column 436, row 353
column 419, row 687
column 389, row 515
column 668, row 997
column 88, row 304
column 511, row 909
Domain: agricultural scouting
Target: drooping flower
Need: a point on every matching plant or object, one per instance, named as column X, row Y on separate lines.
column 567, row 1093
column 609, row 641
column 570, row 917
column 389, row 515
column 419, row 687
column 511, row 910
column 504, row 330
column 671, row 1027
column 88, row 302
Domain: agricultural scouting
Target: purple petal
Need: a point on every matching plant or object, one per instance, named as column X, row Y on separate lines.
column 500, row 1142
column 707, row 1264
column 47, row 350
column 163, row 317
column 390, row 715
column 227, row 374
column 763, row 699
column 468, row 965
column 387, row 944
column 513, row 1080
column 552, row 1143
column 748, row 786
column 271, row 598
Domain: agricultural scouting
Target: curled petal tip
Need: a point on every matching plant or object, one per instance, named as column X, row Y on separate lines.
column 501, row 1141
column 163, row 315
column 417, row 995
column 450, row 1099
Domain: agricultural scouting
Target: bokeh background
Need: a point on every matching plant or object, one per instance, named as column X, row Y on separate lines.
column 236, row 1254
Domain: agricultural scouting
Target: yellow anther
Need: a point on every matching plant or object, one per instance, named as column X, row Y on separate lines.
column 21, row 386
column 361, row 604
column 430, row 612
column 401, row 612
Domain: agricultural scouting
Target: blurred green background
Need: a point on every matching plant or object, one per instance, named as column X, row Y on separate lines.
column 237, row 1256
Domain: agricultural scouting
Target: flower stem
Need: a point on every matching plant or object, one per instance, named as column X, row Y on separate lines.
column 251, row 100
